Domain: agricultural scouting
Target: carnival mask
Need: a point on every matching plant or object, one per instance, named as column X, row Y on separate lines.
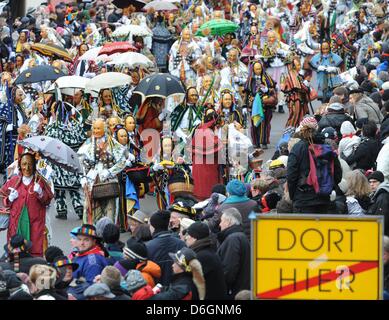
column 122, row 137
column 27, row 165
column 98, row 129
column 130, row 124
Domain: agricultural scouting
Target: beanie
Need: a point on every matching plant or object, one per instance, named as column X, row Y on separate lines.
column 198, row 230
column 100, row 225
column 309, row 122
column 111, row 277
column 236, row 188
column 347, row 128
column 160, row 220
column 376, row 175
column 135, row 280
column 111, row 233
column 135, row 250
column 53, row 252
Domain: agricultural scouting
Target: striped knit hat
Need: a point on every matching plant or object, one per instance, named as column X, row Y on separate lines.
column 309, row 122
column 135, row 250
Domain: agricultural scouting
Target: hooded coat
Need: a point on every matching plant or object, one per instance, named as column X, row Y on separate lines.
column 380, row 205
column 367, row 108
column 212, row 269
column 234, row 252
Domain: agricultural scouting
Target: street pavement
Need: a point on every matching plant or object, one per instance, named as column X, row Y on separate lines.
column 61, row 228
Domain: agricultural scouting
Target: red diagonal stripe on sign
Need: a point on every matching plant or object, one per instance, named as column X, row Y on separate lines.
column 314, row 281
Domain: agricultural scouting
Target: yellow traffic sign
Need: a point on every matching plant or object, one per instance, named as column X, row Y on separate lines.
column 317, row 257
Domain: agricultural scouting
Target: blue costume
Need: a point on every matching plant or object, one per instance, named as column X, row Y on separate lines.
column 326, row 80
column 89, row 265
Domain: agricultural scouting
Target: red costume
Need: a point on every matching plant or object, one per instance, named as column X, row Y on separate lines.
column 36, row 207
column 206, row 169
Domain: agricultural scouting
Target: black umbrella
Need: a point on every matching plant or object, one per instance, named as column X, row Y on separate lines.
column 159, row 85
column 39, row 74
column 138, row 4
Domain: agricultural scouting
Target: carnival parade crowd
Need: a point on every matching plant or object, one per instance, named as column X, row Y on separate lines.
column 110, row 101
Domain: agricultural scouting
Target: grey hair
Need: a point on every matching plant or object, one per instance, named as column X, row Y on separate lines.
column 386, row 243
column 233, row 215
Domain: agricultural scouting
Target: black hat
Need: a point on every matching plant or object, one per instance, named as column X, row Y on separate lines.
column 359, row 90
column 12, row 279
column 53, row 252
column 160, row 220
column 62, row 261
column 329, row 133
column 376, row 175
column 19, row 244
column 198, row 230
column 360, row 122
column 367, row 86
column 111, row 233
column 183, row 257
column 135, row 250
column 182, row 207
column 88, row 230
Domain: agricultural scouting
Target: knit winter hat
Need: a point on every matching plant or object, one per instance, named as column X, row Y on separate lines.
column 347, row 128
column 99, row 290
column 236, row 188
column 111, row 233
column 135, row 250
column 100, row 225
column 160, row 220
column 12, row 279
column 336, row 106
column 134, row 280
column 185, row 223
column 385, row 86
column 309, row 122
column 329, row 133
column 111, row 277
column 376, row 175
column 53, row 252
column 198, row 230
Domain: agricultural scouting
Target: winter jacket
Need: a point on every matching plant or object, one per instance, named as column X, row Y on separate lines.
column 151, row 272
column 234, row 252
column 367, row 108
column 302, row 194
column 212, row 269
column 365, row 154
column 380, row 204
column 383, row 159
column 90, row 264
column 349, row 141
column 334, row 119
column 245, row 208
column 120, row 294
column 181, row 287
column 158, row 249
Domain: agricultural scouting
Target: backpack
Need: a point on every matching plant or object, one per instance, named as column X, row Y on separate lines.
column 321, row 172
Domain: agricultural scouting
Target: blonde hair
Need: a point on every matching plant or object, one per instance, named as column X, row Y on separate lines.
column 42, row 276
column 358, row 185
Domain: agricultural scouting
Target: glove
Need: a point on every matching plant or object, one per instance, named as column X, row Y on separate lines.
column 236, row 79
column 306, row 83
column 321, row 68
column 128, row 163
column 38, row 189
column 104, row 175
column 83, row 181
column 244, row 111
column 157, row 167
column 162, row 116
column 264, row 89
column 14, row 194
column 332, row 69
column 130, row 159
column 10, row 127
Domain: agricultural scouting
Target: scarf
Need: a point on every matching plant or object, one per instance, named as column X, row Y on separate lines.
column 95, row 250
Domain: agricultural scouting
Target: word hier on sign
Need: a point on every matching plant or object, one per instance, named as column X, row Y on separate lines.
column 317, row 257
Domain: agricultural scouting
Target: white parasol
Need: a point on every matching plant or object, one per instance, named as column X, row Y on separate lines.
column 91, row 54
column 69, row 84
column 107, row 80
column 131, row 60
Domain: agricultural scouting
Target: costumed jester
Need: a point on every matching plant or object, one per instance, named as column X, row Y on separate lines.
column 27, row 195
column 261, row 89
column 70, row 131
column 102, row 158
column 326, row 64
column 12, row 116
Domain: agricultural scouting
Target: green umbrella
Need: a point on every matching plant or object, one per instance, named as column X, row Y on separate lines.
column 218, row 27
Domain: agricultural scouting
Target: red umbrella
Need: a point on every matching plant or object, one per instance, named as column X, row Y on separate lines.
column 114, row 47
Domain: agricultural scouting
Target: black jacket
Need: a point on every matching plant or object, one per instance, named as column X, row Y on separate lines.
column 120, row 294
column 215, row 285
column 234, row 252
column 298, row 168
column 158, row 250
column 380, row 205
column 181, row 287
column 334, row 119
column 365, row 155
